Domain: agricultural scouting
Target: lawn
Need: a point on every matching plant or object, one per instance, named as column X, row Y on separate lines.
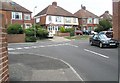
column 78, row 37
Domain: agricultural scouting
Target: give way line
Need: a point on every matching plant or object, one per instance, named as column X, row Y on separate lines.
column 96, row 53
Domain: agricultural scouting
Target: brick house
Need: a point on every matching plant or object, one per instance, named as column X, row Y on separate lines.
column 14, row 13
column 116, row 19
column 106, row 16
column 53, row 17
column 87, row 20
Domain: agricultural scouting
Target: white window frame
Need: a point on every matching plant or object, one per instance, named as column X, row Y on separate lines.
column 19, row 14
column 68, row 20
column 74, row 20
column 58, row 19
column 90, row 19
column 26, row 27
column 27, row 17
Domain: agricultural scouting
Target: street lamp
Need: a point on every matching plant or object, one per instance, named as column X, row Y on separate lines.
column 34, row 22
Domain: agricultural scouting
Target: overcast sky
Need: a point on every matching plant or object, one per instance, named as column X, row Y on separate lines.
column 97, row 7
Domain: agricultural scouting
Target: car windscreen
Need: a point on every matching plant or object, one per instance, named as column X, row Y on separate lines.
column 102, row 36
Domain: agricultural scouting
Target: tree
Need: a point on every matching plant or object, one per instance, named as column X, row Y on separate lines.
column 103, row 26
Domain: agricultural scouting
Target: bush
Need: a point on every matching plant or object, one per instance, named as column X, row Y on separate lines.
column 71, row 31
column 62, row 29
column 30, row 39
column 30, row 32
column 41, row 33
column 15, row 29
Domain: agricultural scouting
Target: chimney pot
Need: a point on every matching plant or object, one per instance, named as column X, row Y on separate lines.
column 54, row 3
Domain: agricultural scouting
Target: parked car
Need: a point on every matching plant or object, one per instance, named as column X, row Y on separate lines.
column 78, row 32
column 109, row 34
column 102, row 40
column 50, row 34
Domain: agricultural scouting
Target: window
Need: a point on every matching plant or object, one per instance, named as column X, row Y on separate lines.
column 68, row 20
column 58, row 19
column 37, row 20
column 28, row 25
column 74, row 20
column 17, row 15
column 84, row 21
column 50, row 18
column 89, row 20
column 26, row 16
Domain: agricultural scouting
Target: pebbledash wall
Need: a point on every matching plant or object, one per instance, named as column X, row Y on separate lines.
column 4, row 74
column 116, row 19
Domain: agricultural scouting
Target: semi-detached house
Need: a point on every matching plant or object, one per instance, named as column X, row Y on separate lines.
column 15, row 13
column 87, row 20
column 53, row 17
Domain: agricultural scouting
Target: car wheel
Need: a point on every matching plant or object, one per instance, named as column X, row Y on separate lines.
column 91, row 43
column 100, row 45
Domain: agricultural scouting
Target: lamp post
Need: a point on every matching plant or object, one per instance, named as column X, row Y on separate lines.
column 34, row 22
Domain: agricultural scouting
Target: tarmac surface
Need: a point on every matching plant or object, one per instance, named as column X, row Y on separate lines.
column 29, row 67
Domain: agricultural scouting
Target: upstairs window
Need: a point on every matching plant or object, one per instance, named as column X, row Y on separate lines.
column 17, row 15
column 68, row 20
column 58, row 19
column 90, row 20
column 50, row 18
column 74, row 20
column 26, row 16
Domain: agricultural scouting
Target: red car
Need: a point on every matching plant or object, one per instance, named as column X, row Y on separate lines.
column 78, row 32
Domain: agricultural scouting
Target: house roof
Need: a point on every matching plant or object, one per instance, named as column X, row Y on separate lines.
column 83, row 13
column 55, row 10
column 106, row 15
column 13, row 6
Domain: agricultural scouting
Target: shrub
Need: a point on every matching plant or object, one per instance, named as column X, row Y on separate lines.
column 42, row 33
column 71, row 31
column 30, row 39
column 30, row 32
column 15, row 29
column 62, row 29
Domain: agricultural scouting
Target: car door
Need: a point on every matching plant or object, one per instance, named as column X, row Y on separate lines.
column 95, row 40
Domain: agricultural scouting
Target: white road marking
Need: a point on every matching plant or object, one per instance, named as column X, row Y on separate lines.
column 74, row 45
column 96, row 53
column 65, row 63
column 11, row 49
column 19, row 48
column 26, row 47
column 42, row 46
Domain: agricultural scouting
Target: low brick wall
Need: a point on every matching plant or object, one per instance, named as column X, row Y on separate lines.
column 4, row 72
column 63, row 34
column 16, row 38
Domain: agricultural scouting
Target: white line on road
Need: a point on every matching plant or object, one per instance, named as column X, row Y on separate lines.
column 96, row 53
column 11, row 49
column 26, row 47
column 18, row 48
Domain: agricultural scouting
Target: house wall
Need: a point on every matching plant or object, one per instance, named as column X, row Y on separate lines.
column 8, row 18
column 62, row 22
column 4, row 73
column 116, row 19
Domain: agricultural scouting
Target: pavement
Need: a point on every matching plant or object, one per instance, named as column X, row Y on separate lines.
column 29, row 67
column 59, row 39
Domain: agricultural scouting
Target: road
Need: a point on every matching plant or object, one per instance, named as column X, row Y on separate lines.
column 90, row 62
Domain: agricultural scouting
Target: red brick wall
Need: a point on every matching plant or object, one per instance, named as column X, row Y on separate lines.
column 116, row 19
column 3, row 56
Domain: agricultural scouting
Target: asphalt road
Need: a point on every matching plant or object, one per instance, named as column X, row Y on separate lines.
column 90, row 62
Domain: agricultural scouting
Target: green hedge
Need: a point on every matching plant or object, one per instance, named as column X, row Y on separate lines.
column 15, row 29
column 30, row 39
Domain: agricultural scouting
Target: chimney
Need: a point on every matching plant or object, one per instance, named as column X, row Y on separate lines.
column 83, row 7
column 54, row 3
column 107, row 12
